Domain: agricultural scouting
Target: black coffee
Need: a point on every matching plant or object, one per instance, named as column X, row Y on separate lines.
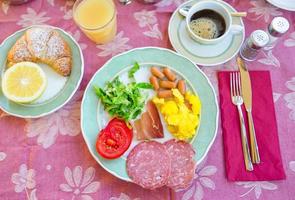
column 208, row 24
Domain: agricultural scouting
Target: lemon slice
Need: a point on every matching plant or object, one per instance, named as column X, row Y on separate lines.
column 24, row 82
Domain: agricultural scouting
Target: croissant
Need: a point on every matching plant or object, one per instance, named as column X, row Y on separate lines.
column 45, row 45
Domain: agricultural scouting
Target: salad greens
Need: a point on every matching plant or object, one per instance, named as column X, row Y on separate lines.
column 123, row 101
column 134, row 69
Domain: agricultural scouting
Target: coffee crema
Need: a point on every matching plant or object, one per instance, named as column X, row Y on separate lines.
column 207, row 24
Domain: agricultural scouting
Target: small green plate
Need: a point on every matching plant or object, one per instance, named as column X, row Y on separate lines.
column 71, row 85
column 197, row 80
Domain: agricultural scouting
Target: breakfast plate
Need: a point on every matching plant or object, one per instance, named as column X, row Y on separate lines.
column 201, row 54
column 283, row 4
column 59, row 89
column 94, row 118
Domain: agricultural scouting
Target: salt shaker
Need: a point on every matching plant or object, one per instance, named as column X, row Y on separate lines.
column 278, row 27
column 252, row 46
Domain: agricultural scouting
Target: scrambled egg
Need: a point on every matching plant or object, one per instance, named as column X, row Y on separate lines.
column 181, row 113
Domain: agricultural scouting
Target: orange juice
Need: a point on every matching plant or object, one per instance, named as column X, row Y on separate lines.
column 97, row 19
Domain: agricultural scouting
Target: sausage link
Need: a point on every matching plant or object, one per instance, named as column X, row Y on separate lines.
column 181, row 86
column 157, row 73
column 167, row 84
column 169, row 74
column 165, row 93
column 154, row 82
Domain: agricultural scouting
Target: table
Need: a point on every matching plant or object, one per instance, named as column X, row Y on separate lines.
column 47, row 158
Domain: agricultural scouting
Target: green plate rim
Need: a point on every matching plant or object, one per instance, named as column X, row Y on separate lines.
column 77, row 84
column 139, row 49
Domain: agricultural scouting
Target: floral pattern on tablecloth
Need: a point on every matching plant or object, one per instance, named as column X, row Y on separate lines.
column 32, row 18
column 65, row 121
column 24, row 180
column 47, row 158
column 202, row 180
column 149, row 20
column 264, row 10
column 78, row 184
column 256, row 187
column 118, row 45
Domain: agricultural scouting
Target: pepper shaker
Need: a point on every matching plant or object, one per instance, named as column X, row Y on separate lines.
column 278, row 27
column 252, row 46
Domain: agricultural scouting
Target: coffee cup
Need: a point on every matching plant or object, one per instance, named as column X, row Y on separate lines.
column 217, row 7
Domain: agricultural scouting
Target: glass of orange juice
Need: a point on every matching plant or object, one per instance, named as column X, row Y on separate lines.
column 97, row 19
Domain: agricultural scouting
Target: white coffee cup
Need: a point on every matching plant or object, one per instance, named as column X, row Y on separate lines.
column 220, row 9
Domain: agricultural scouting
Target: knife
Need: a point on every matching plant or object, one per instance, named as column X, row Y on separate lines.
column 247, row 97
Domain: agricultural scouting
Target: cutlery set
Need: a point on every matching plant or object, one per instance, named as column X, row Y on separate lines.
column 241, row 93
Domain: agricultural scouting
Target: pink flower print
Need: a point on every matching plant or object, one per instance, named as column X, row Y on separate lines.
column 202, row 180
column 257, row 186
column 145, row 18
column 65, row 121
column 149, row 20
column 118, row 45
column 79, row 185
column 32, row 18
column 263, row 9
column 24, row 179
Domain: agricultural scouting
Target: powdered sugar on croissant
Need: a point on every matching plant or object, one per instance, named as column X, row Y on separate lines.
column 20, row 52
column 37, row 39
column 42, row 44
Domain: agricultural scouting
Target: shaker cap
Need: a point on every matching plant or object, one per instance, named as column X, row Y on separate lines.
column 278, row 26
column 259, row 39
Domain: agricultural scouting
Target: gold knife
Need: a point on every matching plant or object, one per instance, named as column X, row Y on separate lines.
column 247, row 97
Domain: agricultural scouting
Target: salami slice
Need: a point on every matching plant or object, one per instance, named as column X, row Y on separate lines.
column 183, row 164
column 148, row 165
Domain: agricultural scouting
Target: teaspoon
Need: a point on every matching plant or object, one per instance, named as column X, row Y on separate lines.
column 185, row 9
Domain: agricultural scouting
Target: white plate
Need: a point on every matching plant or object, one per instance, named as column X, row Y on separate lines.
column 283, row 4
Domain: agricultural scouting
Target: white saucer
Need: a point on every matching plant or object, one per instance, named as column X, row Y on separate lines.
column 207, row 55
column 283, row 4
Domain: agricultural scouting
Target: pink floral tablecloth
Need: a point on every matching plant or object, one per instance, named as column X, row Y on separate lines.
column 47, row 158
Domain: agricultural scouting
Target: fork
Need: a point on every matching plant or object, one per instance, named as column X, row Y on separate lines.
column 236, row 97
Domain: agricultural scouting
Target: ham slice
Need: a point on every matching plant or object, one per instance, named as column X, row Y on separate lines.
column 149, row 125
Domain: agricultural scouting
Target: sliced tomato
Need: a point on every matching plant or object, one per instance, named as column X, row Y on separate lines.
column 114, row 139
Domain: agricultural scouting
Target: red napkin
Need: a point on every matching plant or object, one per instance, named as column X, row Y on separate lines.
column 271, row 167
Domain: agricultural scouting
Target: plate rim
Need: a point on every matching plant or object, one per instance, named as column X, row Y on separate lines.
column 199, row 63
column 136, row 49
column 276, row 4
column 76, row 87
